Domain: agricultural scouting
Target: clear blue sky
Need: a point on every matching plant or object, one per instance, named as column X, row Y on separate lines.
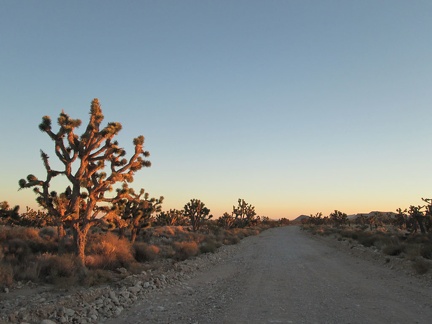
column 298, row 107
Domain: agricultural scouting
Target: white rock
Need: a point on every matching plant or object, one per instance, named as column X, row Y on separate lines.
column 135, row 290
column 69, row 312
column 47, row 321
column 118, row 311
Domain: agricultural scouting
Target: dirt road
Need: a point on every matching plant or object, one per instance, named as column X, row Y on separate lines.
column 285, row 276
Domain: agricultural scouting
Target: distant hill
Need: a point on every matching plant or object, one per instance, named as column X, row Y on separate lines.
column 372, row 213
column 299, row 219
column 350, row 217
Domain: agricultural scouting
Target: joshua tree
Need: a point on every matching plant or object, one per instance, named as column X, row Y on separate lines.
column 428, row 213
column 339, row 218
column 171, row 218
column 244, row 214
column 92, row 163
column 401, row 218
column 316, row 219
column 197, row 213
column 418, row 217
column 226, row 221
column 8, row 215
column 134, row 210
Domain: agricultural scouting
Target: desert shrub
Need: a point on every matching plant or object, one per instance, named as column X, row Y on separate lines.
column 48, row 233
column 19, row 232
column 349, row 233
column 6, row 274
column 40, row 246
column 209, row 245
column 420, row 266
column 322, row 230
column 26, row 271
column 97, row 277
column 185, row 250
column 230, row 239
column 411, row 251
column 426, row 251
column 394, row 248
column 55, row 268
column 107, row 251
column 241, row 233
column 418, row 238
column 367, row 239
column 145, row 252
column 167, row 250
column 16, row 250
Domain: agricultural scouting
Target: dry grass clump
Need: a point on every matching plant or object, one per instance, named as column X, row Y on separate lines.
column 58, row 269
column 230, row 239
column 426, row 250
column 185, row 250
column 420, row 266
column 394, row 248
column 6, row 274
column 350, row 233
column 97, row 277
column 15, row 250
column 321, row 229
column 109, row 252
column 38, row 241
column 210, row 244
column 368, row 239
column 24, row 233
column 145, row 252
column 418, row 238
column 411, row 251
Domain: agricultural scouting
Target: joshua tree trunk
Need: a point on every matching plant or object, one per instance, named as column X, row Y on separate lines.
column 134, row 234
column 80, row 240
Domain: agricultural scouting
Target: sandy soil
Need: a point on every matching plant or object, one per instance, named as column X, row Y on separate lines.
column 285, row 275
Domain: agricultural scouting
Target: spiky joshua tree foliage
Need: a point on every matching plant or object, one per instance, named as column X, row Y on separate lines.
column 92, row 163
column 173, row 217
column 244, row 214
column 197, row 213
column 134, row 211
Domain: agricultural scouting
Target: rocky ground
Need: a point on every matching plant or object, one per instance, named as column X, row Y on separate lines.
column 31, row 303
column 283, row 275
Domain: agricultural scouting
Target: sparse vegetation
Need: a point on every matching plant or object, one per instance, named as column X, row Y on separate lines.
column 84, row 235
column 405, row 234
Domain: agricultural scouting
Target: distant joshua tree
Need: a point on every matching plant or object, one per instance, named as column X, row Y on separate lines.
column 92, row 163
column 173, row 217
column 244, row 214
column 338, row 218
column 226, row 221
column 133, row 211
column 8, row 215
column 197, row 213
